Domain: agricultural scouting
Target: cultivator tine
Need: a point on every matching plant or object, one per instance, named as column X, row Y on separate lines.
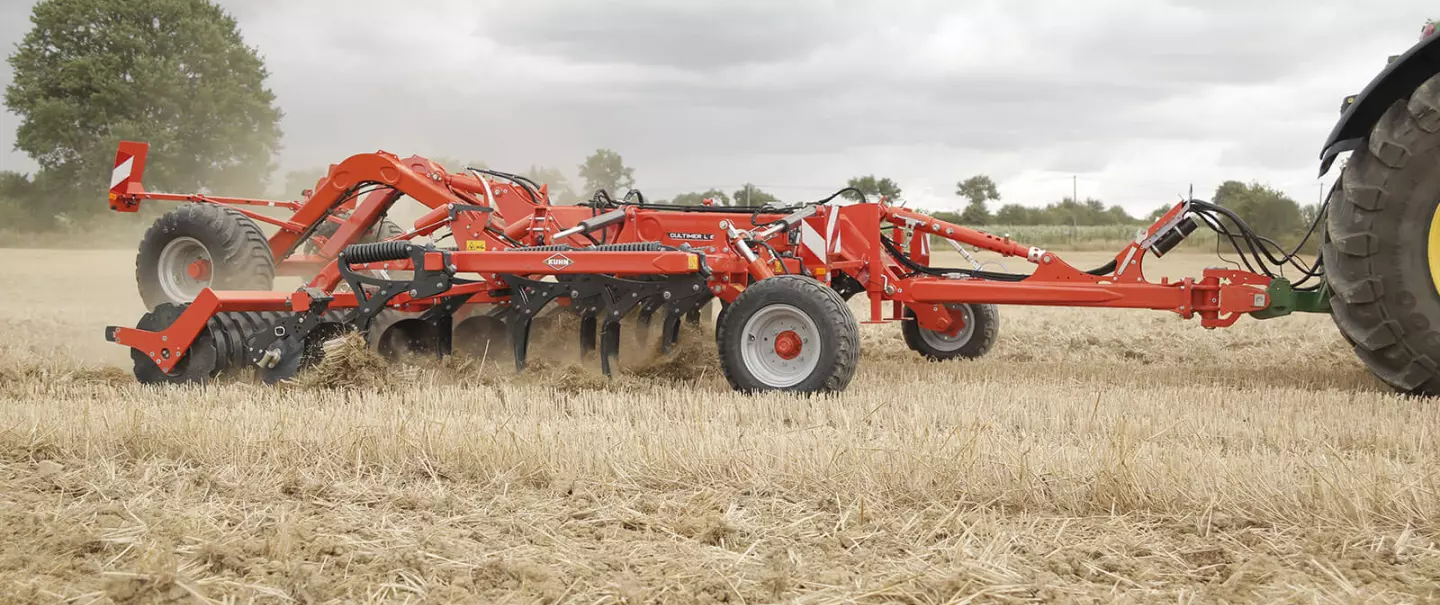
column 602, row 302
column 621, row 296
column 588, row 328
column 519, row 326
column 441, row 319
column 670, row 334
column 682, row 298
column 644, row 318
column 527, row 298
column 609, row 344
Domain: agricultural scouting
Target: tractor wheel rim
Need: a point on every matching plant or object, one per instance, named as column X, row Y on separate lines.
column 944, row 342
column 1433, row 248
column 786, row 365
column 174, row 269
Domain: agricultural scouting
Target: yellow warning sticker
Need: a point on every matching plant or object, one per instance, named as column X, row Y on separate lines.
column 694, row 262
column 475, row 245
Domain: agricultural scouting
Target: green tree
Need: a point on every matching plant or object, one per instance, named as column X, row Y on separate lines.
column 873, row 188
column 751, row 196
column 17, row 194
column 605, row 169
column 1267, row 211
column 1118, row 216
column 949, row 217
column 173, row 73
column 978, row 189
column 695, row 199
column 1015, row 214
column 559, row 186
column 297, row 181
column 1157, row 213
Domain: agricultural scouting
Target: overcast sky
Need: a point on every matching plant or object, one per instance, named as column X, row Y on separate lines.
column 1138, row 98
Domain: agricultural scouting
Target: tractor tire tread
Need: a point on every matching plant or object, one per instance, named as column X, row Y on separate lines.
column 1376, row 246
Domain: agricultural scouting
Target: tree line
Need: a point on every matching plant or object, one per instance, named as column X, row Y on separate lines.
column 178, row 75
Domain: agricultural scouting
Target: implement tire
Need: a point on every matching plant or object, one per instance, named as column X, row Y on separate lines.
column 382, row 231
column 788, row 333
column 230, row 245
column 1382, row 253
column 982, row 329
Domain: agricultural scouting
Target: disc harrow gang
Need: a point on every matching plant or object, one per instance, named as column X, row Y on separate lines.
column 782, row 275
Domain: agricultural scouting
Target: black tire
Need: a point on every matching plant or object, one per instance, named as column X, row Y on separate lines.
column 981, row 330
column 200, row 364
column 238, row 252
column 808, row 310
column 380, row 232
column 1384, row 299
column 386, row 230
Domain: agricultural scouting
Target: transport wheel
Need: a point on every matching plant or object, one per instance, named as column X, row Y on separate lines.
column 719, row 317
column 982, row 328
column 1382, row 253
column 200, row 364
column 382, row 231
column 788, row 333
column 198, row 246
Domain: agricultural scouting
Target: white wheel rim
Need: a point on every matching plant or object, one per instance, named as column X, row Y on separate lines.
column 944, row 342
column 174, row 268
column 759, row 352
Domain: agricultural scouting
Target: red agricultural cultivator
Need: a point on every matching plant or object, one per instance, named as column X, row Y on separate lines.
column 782, row 276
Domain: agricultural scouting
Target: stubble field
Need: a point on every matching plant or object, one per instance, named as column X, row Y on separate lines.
column 1094, row 456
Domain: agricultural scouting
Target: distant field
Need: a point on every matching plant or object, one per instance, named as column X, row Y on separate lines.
column 124, row 232
column 1094, row 456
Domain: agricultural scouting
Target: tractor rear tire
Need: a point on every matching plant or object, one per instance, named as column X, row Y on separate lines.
column 1382, row 253
column 236, row 251
column 788, row 333
column 982, row 328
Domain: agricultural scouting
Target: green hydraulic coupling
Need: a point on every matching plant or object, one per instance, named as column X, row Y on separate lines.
column 1284, row 300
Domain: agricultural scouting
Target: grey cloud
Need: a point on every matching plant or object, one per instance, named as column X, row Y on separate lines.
column 802, row 95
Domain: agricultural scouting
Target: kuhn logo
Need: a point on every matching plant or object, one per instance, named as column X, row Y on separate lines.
column 703, row 237
column 559, row 262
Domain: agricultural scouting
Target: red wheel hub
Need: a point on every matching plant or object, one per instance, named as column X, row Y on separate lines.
column 198, row 270
column 788, row 345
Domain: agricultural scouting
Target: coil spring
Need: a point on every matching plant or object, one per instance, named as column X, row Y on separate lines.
column 359, row 254
column 626, row 247
column 629, row 247
column 547, row 248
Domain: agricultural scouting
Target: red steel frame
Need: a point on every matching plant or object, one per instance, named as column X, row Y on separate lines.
column 835, row 237
column 419, row 178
